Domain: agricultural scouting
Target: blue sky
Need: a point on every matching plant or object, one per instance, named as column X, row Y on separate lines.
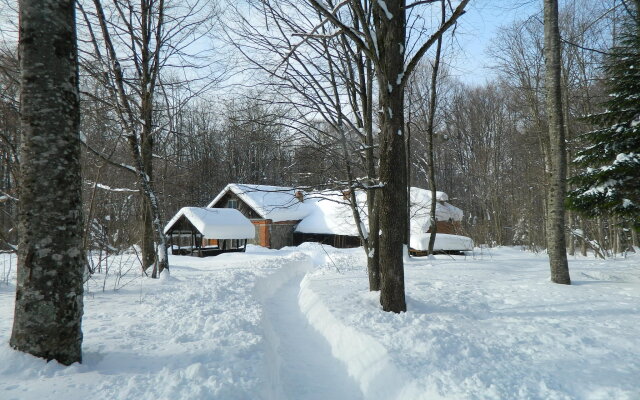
column 477, row 28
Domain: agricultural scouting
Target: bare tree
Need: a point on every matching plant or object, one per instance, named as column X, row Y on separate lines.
column 323, row 77
column 383, row 40
column 430, row 128
column 48, row 310
column 131, row 48
column 556, row 243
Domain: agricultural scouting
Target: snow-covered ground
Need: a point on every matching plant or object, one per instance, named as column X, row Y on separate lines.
column 299, row 323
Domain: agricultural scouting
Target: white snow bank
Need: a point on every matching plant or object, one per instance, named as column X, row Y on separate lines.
column 367, row 360
column 443, row 242
column 485, row 329
column 216, row 223
column 476, row 328
column 197, row 334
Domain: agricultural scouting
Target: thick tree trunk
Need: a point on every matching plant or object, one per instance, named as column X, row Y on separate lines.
column 390, row 28
column 48, row 309
column 149, row 253
column 556, row 243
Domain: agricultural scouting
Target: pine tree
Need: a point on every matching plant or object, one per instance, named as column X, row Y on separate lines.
column 608, row 179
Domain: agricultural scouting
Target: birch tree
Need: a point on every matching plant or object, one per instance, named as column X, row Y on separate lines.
column 48, row 309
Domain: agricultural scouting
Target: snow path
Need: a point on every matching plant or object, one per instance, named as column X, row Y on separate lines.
column 307, row 369
column 243, row 326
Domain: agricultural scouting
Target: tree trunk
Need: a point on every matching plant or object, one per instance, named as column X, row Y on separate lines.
column 139, row 138
column 373, row 257
column 614, row 233
column 430, row 127
column 393, row 201
column 48, row 309
column 147, row 85
column 583, row 242
column 556, row 243
column 602, row 243
column 149, row 253
column 572, row 237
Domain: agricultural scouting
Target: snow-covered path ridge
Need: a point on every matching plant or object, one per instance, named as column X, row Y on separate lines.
column 302, row 364
column 366, row 359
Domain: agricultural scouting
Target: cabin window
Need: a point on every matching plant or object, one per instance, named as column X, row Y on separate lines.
column 232, row 203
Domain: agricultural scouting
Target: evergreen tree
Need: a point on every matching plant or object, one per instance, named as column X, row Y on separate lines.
column 608, row 179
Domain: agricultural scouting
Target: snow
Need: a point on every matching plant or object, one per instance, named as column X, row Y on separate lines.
column 270, row 202
column 299, row 323
column 331, row 214
column 443, row 241
column 384, row 8
column 218, row 223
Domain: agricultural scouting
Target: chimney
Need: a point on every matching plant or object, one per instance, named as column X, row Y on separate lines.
column 300, row 196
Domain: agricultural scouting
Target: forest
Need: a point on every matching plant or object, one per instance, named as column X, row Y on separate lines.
column 176, row 99
column 488, row 139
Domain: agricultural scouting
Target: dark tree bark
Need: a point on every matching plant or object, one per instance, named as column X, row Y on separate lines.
column 148, row 68
column 139, row 136
column 430, row 126
column 48, row 310
column 556, row 243
column 385, row 46
column 148, row 247
column 391, row 31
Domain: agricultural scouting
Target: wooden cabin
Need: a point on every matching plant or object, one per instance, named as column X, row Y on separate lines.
column 286, row 216
column 275, row 211
column 201, row 231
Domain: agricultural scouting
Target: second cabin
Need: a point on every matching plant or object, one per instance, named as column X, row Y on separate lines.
column 201, row 231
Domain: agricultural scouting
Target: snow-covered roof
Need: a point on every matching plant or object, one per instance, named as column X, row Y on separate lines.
column 421, row 205
column 444, row 242
column 328, row 212
column 276, row 203
column 331, row 215
column 216, row 223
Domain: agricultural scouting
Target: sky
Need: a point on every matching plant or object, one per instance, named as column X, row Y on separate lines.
column 475, row 31
column 473, row 35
